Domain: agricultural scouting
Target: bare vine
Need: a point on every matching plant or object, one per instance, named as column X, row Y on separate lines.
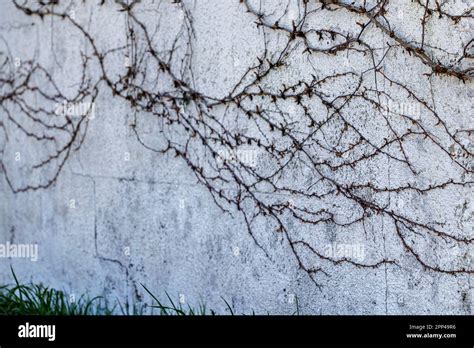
column 318, row 136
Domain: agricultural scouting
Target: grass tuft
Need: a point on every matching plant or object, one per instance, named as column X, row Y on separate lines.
column 176, row 309
column 36, row 299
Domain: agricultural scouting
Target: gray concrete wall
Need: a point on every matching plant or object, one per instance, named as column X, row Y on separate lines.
column 119, row 215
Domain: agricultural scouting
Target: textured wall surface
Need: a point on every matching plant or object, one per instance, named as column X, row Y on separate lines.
column 112, row 212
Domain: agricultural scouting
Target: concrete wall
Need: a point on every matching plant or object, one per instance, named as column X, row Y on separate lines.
column 119, row 215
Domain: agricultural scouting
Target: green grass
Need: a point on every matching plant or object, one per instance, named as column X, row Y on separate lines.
column 176, row 309
column 37, row 299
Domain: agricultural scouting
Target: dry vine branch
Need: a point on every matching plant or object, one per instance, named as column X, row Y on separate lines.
column 317, row 136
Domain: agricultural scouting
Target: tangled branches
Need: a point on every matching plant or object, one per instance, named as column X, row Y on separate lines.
column 333, row 128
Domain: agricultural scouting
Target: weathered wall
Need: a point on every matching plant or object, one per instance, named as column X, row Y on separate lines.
column 119, row 215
